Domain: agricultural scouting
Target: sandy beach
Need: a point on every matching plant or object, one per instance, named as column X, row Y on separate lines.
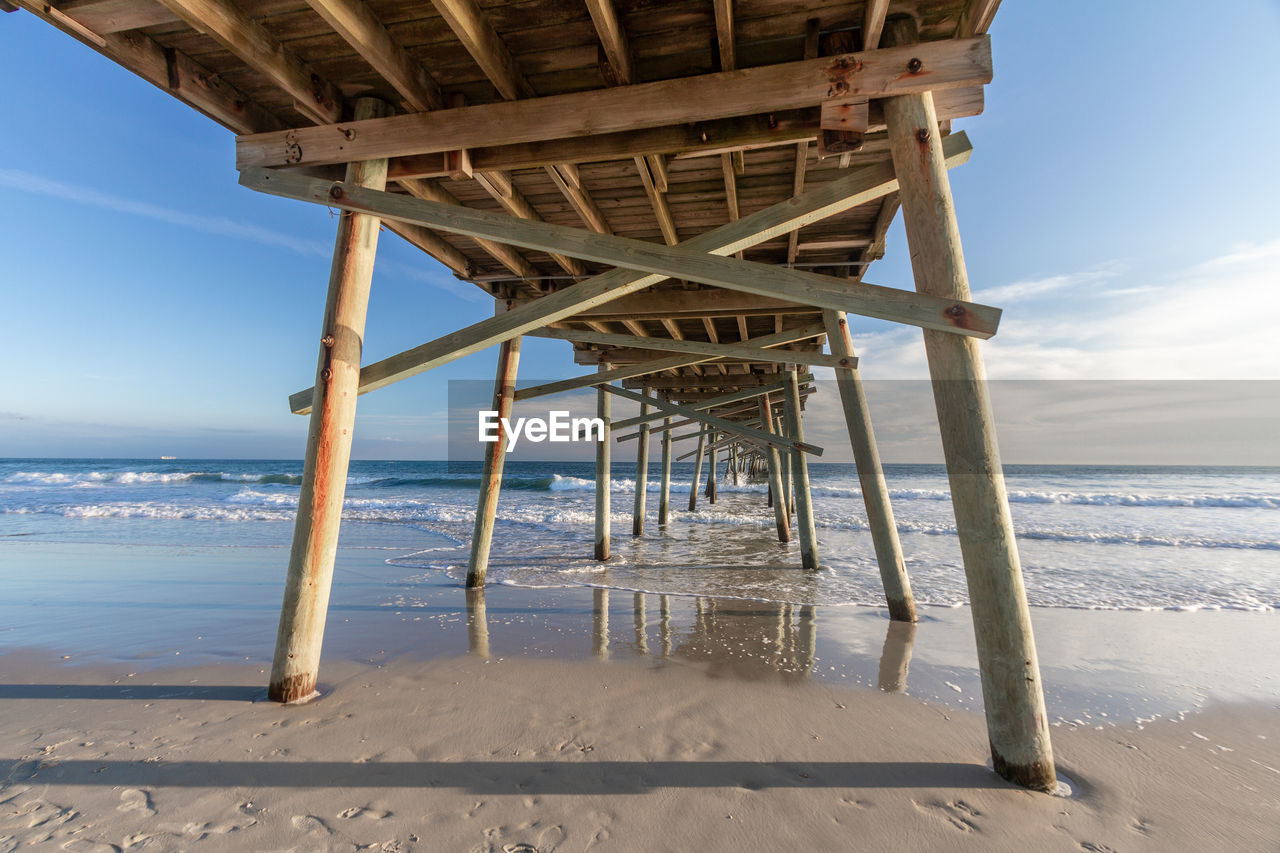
column 577, row 719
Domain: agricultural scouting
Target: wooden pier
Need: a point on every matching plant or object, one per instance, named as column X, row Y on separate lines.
column 689, row 194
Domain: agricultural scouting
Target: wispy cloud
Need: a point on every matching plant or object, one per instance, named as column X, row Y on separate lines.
column 1211, row 320
column 216, row 225
column 222, row 227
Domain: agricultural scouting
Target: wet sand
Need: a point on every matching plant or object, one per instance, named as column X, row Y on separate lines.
column 130, row 717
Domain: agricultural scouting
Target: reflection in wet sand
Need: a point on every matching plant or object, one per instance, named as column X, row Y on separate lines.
column 477, row 623
column 600, row 623
column 642, row 640
column 896, row 656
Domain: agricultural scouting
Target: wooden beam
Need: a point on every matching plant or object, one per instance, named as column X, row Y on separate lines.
column 782, row 518
column 872, row 74
column 834, row 197
column 918, row 309
column 1013, row 695
column 705, row 405
column 658, row 200
column 484, row 44
column 797, row 188
column 654, row 366
column 976, row 17
column 730, row 187
column 113, row 16
column 672, row 304
column 566, row 178
column 604, row 476
column 328, row 453
column 495, row 455
column 233, row 28
column 171, row 71
column 755, row 435
column 613, row 38
column 725, row 35
column 435, row 246
column 361, row 28
column 873, row 23
column 737, row 352
column 826, row 245
column 800, row 476
column 503, row 253
column 500, row 186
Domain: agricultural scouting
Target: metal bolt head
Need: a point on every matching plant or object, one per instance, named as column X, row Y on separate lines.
column 327, row 340
column 326, row 374
column 955, row 311
column 922, row 134
column 335, row 191
column 914, row 65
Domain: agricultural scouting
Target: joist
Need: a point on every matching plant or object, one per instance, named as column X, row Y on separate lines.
column 873, row 23
column 233, row 28
column 499, row 185
column 755, row 435
column 655, row 366
column 484, row 44
column 917, row 309
column 880, row 73
column 717, row 350
column 707, row 405
column 172, row 71
column 863, row 185
column 613, row 40
column 567, row 179
column 798, row 353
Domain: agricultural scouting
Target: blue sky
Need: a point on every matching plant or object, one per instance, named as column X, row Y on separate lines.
column 1120, row 206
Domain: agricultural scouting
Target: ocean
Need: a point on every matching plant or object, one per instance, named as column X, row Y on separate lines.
column 1100, row 538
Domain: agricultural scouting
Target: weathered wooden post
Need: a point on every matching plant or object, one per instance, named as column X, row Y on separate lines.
column 642, row 473
column 875, row 492
column 664, row 491
column 333, row 414
column 780, row 516
column 800, row 476
column 604, row 473
column 788, row 496
column 711, row 468
column 495, row 454
column 1011, row 688
column 697, row 470
column 477, row 623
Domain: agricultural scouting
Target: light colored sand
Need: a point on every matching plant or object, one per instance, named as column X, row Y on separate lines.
column 520, row 755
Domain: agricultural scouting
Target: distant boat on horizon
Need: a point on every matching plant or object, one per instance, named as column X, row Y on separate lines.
column 167, row 458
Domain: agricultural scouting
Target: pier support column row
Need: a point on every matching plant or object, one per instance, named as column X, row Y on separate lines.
column 866, row 457
column 1011, row 688
column 495, row 454
column 664, row 492
column 333, row 415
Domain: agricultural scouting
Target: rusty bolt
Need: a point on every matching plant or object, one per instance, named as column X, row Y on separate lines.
column 922, row 134
column 955, row 311
column 326, row 374
column 914, row 65
column 844, row 362
column 348, row 133
column 335, row 191
column 327, row 340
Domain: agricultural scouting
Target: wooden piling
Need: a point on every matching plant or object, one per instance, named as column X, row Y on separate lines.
column 711, row 469
column 788, row 496
column 324, row 473
column 642, row 473
column 495, row 454
column 1011, row 688
column 664, row 491
column 603, row 471
column 697, row 470
column 866, row 457
column 780, row 516
column 800, row 476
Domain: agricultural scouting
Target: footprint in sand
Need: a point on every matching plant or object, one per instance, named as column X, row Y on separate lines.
column 957, row 814
column 363, row 811
column 135, row 800
column 84, row 845
column 311, row 825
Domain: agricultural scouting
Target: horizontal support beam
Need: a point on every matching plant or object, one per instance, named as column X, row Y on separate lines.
column 952, row 63
column 724, row 400
column 862, row 185
column 848, row 295
column 658, row 365
column 736, row 352
column 678, row 303
column 754, row 435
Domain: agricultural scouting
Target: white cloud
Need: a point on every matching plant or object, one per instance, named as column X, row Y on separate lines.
column 1212, row 320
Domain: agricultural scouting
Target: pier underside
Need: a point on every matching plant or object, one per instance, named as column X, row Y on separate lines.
column 689, row 194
